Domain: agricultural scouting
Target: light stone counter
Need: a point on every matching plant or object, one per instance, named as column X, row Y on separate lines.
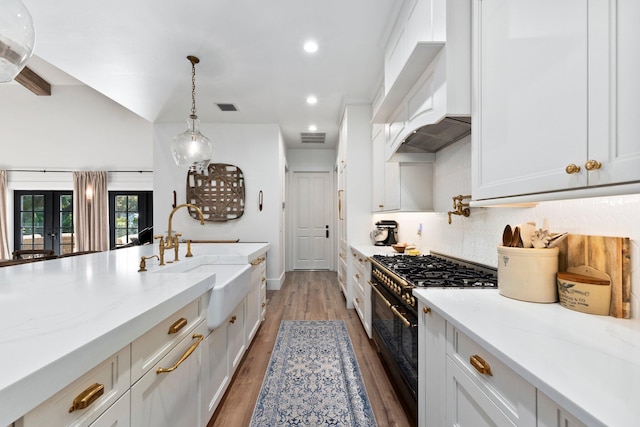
column 370, row 250
column 59, row 318
column 588, row 364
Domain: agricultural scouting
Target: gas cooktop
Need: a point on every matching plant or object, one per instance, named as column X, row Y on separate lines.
column 438, row 271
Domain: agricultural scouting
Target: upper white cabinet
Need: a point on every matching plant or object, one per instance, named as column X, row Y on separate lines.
column 385, row 180
column 555, row 86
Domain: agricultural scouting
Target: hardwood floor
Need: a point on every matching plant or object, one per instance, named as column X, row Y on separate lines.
column 307, row 295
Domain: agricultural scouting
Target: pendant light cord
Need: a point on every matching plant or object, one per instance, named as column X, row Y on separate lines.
column 194, row 60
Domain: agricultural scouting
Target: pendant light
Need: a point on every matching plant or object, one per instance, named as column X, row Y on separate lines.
column 191, row 149
column 17, row 38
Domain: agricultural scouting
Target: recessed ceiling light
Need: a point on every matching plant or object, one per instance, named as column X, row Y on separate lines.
column 310, row 46
column 313, row 128
column 311, row 99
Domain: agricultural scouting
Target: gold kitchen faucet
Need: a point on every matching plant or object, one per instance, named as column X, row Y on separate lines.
column 173, row 241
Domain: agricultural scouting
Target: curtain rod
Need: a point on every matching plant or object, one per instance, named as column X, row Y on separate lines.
column 67, row 171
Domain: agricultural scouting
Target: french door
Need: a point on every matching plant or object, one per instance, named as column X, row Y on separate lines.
column 43, row 220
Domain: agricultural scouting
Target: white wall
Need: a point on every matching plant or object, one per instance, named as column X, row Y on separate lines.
column 311, row 160
column 476, row 237
column 258, row 151
column 74, row 129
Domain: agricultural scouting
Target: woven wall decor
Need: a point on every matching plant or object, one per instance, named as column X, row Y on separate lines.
column 218, row 192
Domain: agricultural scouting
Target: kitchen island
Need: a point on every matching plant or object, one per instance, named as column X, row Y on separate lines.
column 60, row 318
column 544, row 362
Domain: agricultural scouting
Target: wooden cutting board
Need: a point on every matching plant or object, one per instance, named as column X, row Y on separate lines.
column 610, row 255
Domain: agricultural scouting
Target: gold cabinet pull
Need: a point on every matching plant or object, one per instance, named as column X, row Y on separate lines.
column 264, row 279
column 571, row 169
column 177, row 325
column 87, row 397
column 357, row 300
column 233, row 319
column 264, row 304
column 190, row 350
column 480, row 364
column 592, row 165
column 426, row 310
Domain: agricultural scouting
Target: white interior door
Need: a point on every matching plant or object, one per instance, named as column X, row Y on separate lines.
column 312, row 221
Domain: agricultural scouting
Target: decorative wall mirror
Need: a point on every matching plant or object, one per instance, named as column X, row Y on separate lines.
column 218, row 192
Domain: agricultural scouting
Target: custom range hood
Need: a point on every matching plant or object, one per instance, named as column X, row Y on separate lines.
column 434, row 137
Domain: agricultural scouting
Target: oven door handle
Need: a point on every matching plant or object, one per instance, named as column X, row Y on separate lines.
column 375, row 288
column 401, row 317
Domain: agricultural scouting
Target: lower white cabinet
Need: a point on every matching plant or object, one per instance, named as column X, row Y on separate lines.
column 461, row 383
column 236, row 338
column 257, row 297
column 550, row 414
column 216, row 374
column 169, row 394
column 82, row 401
column 361, row 289
column 118, row 415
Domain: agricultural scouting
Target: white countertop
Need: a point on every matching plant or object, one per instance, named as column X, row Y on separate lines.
column 370, row 250
column 59, row 318
column 588, row 364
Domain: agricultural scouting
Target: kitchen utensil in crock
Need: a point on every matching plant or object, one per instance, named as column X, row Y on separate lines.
column 554, row 240
column 516, row 242
column 526, row 233
column 506, row 236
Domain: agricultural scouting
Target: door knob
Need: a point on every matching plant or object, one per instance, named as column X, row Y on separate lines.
column 592, row 165
column 571, row 169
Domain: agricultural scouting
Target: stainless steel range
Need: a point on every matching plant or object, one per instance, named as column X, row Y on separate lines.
column 395, row 313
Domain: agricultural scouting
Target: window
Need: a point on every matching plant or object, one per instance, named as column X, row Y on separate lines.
column 43, row 220
column 130, row 212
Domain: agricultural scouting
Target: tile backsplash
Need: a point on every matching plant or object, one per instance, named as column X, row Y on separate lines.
column 476, row 237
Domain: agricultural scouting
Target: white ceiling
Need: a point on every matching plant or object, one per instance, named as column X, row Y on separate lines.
column 251, row 55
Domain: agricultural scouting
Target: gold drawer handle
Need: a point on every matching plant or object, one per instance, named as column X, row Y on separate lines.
column 480, row 364
column 592, row 165
column 426, row 310
column 264, row 279
column 264, row 304
column 177, row 325
column 186, row 354
column 233, row 319
column 571, row 169
column 357, row 276
column 87, row 397
column 357, row 300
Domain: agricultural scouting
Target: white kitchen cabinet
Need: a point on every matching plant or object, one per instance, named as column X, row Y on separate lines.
column 236, row 337
column 353, row 165
column 362, row 289
column 216, row 374
column 556, row 87
column 118, row 415
column 385, row 179
column 148, row 349
column 171, row 396
column 432, row 354
column 480, row 387
column 89, row 396
column 550, row 414
column 254, row 297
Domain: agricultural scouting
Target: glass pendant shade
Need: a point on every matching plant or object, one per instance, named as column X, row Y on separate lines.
column 191, row 149
column 17, row 38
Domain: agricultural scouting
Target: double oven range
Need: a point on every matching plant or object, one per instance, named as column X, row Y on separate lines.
column 395, row 309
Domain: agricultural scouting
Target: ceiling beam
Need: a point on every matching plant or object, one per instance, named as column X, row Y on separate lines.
column 32, row 81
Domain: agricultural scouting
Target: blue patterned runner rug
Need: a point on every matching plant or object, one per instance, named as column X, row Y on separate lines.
column 313, row 379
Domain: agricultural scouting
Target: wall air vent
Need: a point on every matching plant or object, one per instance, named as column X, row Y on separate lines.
column 312, row 137
column 227, row 107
